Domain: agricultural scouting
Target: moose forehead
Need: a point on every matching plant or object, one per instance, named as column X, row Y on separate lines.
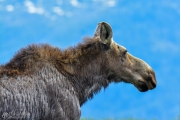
column 117, row 47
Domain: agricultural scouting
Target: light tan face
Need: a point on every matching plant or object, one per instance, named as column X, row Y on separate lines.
column 123, row 66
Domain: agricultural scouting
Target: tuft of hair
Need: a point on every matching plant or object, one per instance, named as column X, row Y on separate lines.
column 33, row 57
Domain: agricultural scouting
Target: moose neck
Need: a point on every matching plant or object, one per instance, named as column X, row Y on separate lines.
column 89, row 79
column 88, row 71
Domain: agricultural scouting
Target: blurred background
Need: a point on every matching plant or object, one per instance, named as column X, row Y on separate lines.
column 149, row 29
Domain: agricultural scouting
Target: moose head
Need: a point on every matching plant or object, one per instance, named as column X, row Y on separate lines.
column 123, row 66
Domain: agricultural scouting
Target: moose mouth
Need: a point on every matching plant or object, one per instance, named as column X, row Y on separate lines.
column 142, row 86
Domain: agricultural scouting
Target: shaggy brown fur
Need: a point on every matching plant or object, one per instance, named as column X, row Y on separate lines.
column 32, row 58
column 45, row 82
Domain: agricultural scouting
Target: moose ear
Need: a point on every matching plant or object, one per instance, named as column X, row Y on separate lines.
column 104, row 31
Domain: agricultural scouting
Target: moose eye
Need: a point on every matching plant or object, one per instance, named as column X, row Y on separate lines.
column 118, row 46
column 124, row 53
column 123, row 56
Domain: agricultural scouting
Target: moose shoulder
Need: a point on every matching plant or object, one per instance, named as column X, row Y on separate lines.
column 43, row 82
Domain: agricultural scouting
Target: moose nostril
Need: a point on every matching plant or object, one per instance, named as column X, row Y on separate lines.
column 152, row 79
column 153, row 84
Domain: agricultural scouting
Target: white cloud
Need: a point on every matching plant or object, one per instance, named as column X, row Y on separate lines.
column 59, row 2
column 32, row 9
column 10, row 8
column 74, row 3
column 111, row 3
column 166, row 46
column 1, row 7
column 69, row 14
column 58, row 11
column 54, row 17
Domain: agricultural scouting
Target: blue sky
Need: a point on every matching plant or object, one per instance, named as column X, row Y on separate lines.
column 149, row 30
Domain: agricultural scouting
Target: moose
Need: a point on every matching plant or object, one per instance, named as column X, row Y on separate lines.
column 42, row 82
